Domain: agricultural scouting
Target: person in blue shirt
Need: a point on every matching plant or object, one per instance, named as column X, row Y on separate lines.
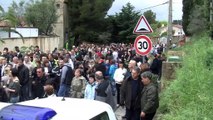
column 112, row 69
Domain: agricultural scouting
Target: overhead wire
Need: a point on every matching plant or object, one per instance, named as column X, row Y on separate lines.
column 155, row 6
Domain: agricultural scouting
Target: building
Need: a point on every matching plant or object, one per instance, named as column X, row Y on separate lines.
column 177, row 30
column 61, row 26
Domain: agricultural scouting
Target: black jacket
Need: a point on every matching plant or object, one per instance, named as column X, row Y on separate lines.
column 23, row 75
column 101, row 88
column 101, row 67
column 3, row 95
column 37, row 87
column 155, row 66
column 126, row 93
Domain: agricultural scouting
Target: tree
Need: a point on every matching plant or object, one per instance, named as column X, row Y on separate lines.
column 191, row 17
column 198, row 23
column 87, row 18
column 8, row 17
column 11, row 20
column 155, row 26
column 1, row 13
column 123, row 23
column 150, row 16
column 42, row 15
column 177, row 22
column 19, row 11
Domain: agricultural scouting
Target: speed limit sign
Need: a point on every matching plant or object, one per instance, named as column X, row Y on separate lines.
column 143, row 45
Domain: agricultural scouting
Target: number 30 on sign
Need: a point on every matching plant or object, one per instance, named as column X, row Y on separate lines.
column 143, row 45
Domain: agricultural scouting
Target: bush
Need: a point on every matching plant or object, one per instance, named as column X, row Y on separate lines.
column 190, row 96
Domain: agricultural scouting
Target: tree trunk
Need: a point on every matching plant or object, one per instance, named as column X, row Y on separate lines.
column 76, row 40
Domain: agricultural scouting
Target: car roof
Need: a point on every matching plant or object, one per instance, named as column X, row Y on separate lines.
column 80, row 109
column 3, row 104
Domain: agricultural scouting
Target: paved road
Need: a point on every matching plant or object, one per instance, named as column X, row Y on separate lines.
column 120, row 112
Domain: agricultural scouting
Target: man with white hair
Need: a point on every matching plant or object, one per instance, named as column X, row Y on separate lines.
column 28, row 64
column 15, row 62
column 132, row 64
column 131, row 94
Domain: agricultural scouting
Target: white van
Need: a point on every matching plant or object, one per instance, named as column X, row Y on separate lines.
column 61, row 109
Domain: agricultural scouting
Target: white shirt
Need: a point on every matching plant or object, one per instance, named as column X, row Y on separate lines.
column 115, row 55
column 119, row 75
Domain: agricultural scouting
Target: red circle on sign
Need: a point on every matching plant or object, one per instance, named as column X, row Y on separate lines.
column 149, row 44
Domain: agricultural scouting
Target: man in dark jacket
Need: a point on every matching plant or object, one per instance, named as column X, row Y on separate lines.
column 6, row 54
column 131, row 94
column 38, row 83
column 149, row 98
column 23, row 76
column 155, row 66
column 18, row 52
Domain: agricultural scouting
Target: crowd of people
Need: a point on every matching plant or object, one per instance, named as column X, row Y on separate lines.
column 113, row 73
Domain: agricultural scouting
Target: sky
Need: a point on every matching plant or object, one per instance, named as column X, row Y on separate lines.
column 161, row 11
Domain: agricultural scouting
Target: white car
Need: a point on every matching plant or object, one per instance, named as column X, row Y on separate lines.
column 62, row 109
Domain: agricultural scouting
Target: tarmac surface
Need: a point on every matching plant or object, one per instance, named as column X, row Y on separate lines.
column 120, row 112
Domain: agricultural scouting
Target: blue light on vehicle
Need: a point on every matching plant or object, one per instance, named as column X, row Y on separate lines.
column 22, row 112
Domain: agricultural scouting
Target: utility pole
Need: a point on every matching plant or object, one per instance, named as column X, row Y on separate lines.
column 211, row 11
column 169, row 32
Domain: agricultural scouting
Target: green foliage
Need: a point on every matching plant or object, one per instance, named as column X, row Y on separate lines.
column 18, row 9
column 1, row 12
column 177, row 22
column 164, row 34
column 42, row 15
column 150, row 16
column 123, row 23
column 196, row 11
column 11, row 20
column 198, row 23
column 155, row 26
column 189, row 97
column 8, row 17
column 164, row 23
column 26, row 49
column 87, row 18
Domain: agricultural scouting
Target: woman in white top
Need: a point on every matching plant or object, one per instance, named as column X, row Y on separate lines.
column 119, row 77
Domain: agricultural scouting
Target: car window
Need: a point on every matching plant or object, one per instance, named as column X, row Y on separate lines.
column 102, row 116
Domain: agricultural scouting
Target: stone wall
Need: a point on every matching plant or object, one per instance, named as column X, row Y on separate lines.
column 168, row 70
column 168, row 73
column 45, row 43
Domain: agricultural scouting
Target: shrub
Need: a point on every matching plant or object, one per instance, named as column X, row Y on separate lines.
column 190, row 96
